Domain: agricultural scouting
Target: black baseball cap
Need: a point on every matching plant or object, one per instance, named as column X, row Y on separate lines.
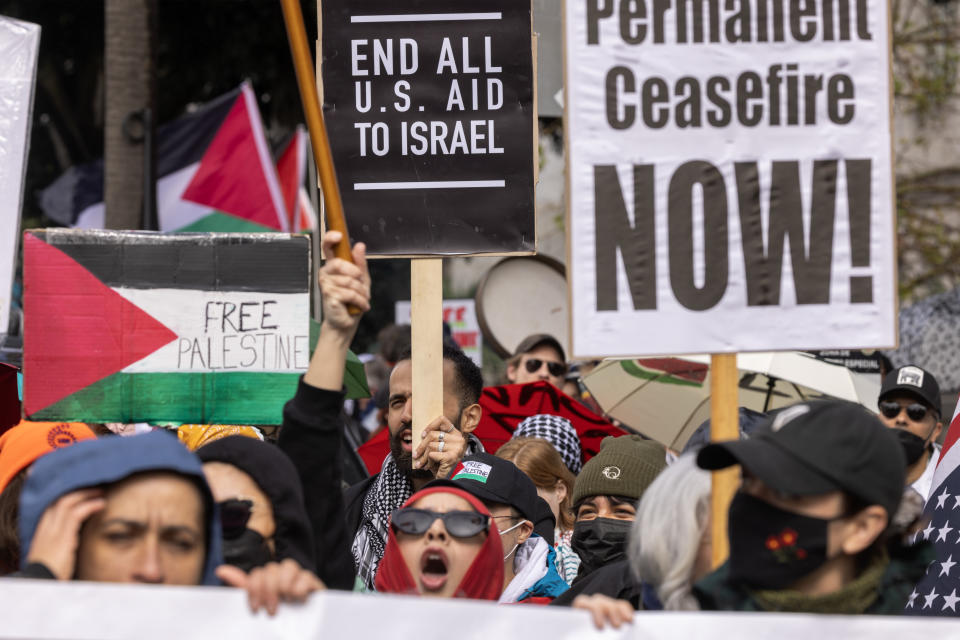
column 493, row 479
column 913, row 380
column 818, row 447
column 532, row 342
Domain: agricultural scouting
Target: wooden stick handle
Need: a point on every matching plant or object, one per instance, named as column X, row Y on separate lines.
column 306, row 80
column 426, row 337
column 724, row 425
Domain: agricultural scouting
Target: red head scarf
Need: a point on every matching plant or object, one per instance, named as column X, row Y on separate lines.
column 482, row 581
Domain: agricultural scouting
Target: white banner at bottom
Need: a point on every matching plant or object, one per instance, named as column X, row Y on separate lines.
column 47, row 610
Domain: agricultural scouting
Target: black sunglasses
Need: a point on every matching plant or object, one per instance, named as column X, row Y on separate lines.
column 459, row 524
column 915, row 410
column 556, row 369
column 234, row 516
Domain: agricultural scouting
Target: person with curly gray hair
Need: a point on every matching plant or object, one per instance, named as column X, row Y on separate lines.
column 670, row 546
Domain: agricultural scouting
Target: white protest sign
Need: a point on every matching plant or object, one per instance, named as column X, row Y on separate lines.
column 48, row 610
column 19, row 45
column 730, row 176
column 461, row 316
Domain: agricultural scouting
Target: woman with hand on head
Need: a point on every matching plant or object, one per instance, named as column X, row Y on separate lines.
column 442, row 543
column 136, row 510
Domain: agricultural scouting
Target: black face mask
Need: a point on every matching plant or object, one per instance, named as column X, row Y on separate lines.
column 913, row 445
column 599, row 542
column 771, row 548
column 246, row 551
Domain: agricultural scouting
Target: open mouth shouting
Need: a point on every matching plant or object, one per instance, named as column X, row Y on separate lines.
column 406, row 437
column 433, row 569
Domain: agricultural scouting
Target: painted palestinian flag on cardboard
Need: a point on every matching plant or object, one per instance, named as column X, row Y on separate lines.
column 215, row 172
column 150, row 327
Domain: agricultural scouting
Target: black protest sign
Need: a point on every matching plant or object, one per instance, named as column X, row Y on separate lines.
column 429, row 111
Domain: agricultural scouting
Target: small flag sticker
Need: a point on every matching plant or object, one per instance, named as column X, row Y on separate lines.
column 472, row 470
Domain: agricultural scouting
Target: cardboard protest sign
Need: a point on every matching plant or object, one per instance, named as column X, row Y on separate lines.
column 461, row 317
column 730, row 176
column 19, row 45
column 139, row 326
column 429, row 111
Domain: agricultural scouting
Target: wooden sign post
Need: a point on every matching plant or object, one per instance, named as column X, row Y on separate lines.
column 724, row 425
column 426, row 335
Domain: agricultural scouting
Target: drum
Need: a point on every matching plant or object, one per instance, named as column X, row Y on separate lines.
column 520, row 296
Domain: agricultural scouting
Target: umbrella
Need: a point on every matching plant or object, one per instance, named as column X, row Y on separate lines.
column 930, row 338
column 504, row 407
column 667, row 398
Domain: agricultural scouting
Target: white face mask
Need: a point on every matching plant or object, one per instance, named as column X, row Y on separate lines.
column 514, row 546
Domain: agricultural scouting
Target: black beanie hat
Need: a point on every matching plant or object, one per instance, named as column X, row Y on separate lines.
column 276, row 476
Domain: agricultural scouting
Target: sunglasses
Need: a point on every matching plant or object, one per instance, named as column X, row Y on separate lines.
column 234, row 516
column 915, row 410
column 556, row 369
column 459, row 524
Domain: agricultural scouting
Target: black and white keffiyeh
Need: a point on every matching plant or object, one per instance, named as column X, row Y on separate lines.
column 388, row 492
column 557, row 431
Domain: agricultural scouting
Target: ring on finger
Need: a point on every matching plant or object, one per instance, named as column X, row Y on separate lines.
column 440, row 437
column 440, row 446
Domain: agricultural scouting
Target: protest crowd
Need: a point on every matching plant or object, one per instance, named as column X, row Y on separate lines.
column 825, row 519
column 201, row 402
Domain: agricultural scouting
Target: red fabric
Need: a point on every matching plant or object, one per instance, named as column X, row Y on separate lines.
column 290, row 173
column 540, row 600
column 504, row 407
column 375, row 450
column 482, row 581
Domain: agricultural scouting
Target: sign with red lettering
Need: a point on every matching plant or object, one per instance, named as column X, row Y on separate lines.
column 730, row 176
column 429, row 109
column 461, row 317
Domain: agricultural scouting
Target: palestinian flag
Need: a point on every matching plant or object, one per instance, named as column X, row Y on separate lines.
column 214, row 173
column 667, row 371
column 147, row 327
column 292, row 171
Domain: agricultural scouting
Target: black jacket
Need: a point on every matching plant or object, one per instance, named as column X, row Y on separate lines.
column 353, row 498
column 311, row 437
column 614, row 580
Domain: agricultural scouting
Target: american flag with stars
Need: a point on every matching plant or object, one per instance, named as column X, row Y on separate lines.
column 938, row 593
